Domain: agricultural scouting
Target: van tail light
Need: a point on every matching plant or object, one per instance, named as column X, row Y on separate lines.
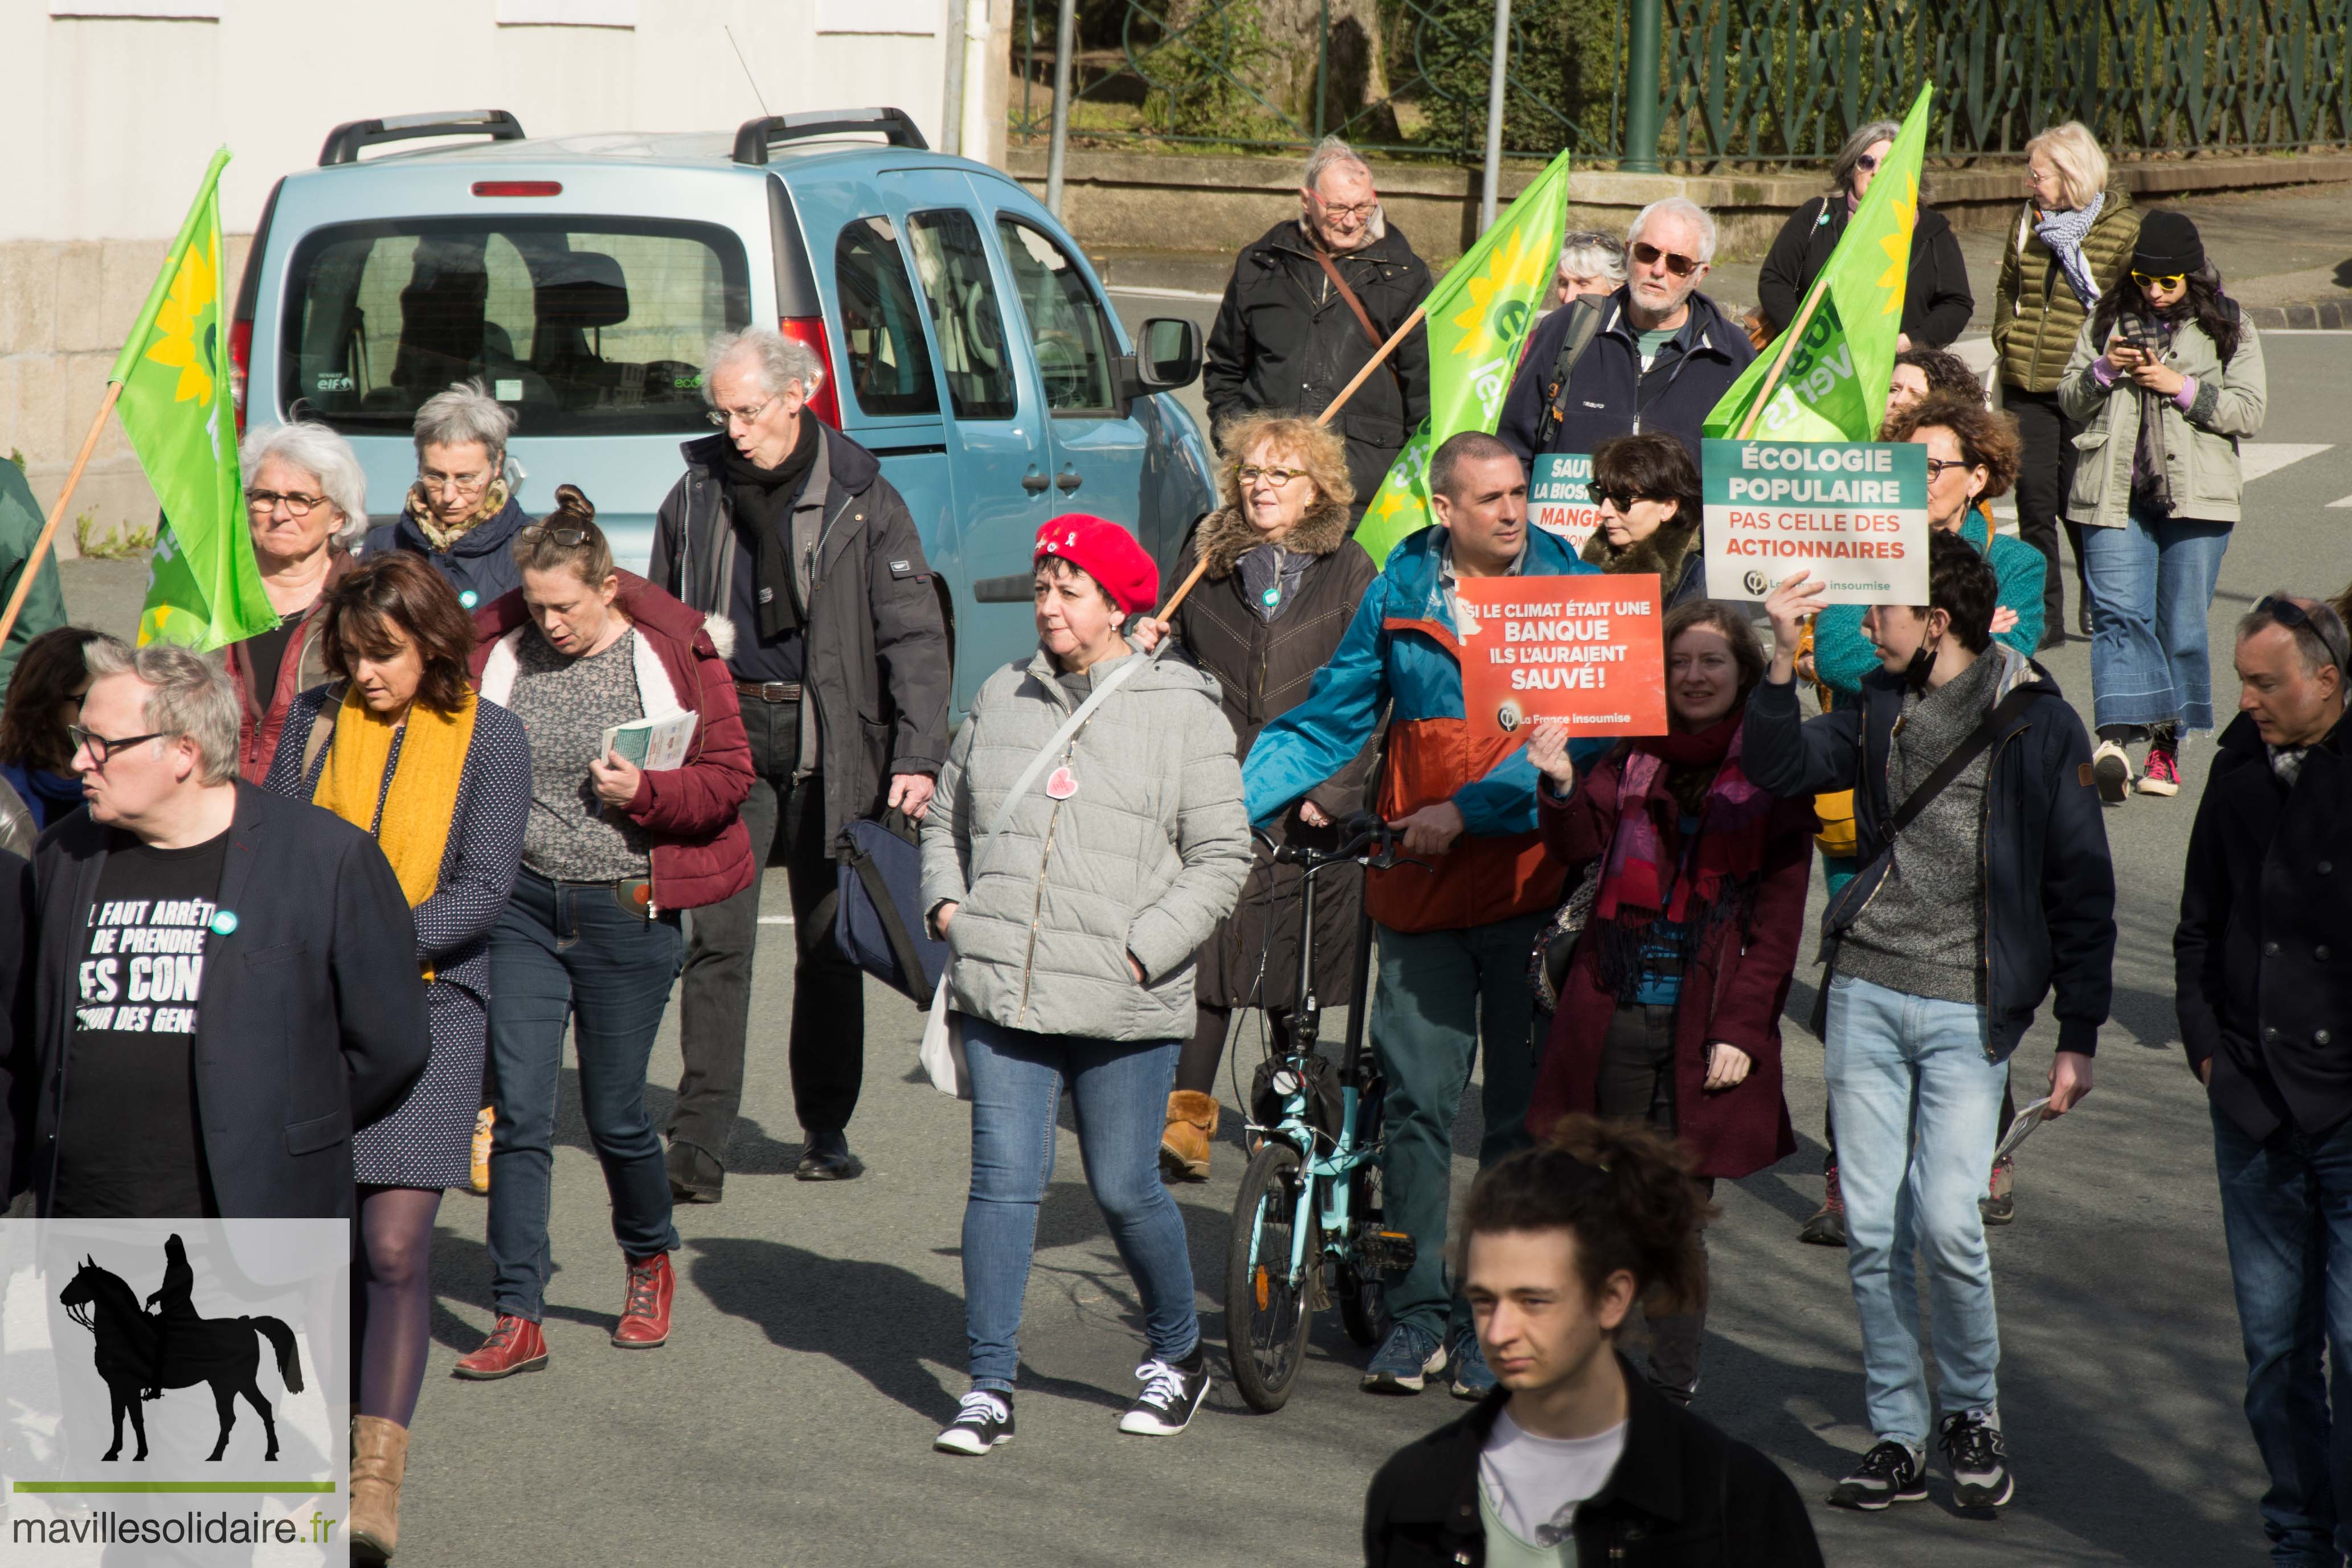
column 809, row 331
column 240, row 359
column 518, row 187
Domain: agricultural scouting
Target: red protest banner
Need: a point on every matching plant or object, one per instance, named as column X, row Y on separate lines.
column 1585, row 649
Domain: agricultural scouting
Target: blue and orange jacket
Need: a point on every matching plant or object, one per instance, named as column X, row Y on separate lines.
column 1401, row 649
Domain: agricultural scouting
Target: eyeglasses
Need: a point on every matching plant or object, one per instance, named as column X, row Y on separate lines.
column 1252, row 473
column 1361, row 212
column 1867, row 163
column 462, row 484
column 1648, row 254
column 102, row 749
column 566, row 535
column 1595, row 240
column 722, row 417
column 1621, row 500
column 2170, row 280
column 261, row 503
column 1936, row 467
column 2290, row 614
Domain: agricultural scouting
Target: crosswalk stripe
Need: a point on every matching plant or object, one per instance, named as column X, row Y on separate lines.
column 2260, row 459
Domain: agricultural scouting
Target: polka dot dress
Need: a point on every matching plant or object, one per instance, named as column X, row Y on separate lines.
column 426, row 1140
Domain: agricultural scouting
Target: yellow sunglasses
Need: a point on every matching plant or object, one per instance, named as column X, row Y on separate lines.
column 2169, row 281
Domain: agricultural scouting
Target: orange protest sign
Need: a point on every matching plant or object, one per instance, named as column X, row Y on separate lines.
column 1584, row 649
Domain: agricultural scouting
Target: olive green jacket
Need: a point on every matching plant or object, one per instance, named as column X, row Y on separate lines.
column 2035, row 316
column 2200, row 447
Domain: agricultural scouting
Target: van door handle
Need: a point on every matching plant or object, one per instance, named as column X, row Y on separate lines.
column 1034, row 481
column 1067, row 479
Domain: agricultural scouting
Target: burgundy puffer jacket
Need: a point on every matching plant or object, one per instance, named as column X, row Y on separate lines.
column 701, row 851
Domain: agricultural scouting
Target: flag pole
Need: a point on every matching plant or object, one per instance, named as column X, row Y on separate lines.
column 57, row 513
column 1379, row 356
column 1780, row 362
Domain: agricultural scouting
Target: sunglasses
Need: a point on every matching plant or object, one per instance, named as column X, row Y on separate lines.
column 1648, row 254
column 1622, row 500
column 1867, row 163
column 2290, row 614
column 2170, row 280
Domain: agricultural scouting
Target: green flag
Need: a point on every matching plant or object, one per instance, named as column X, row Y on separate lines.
column 1478, row 322
column 1833, row 385
column 204, row 590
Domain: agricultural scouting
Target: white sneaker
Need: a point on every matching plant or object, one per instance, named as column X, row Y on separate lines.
column 2111, row 769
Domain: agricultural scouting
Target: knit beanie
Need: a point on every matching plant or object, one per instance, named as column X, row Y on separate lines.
column 2168, row 246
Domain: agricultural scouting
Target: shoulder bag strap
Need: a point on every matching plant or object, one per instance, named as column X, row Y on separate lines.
column 322, row 726
column 1960, row 757
column 1582, row 328
column 1363, row 316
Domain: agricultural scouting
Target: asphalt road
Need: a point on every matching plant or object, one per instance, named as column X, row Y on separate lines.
column 819, row 1337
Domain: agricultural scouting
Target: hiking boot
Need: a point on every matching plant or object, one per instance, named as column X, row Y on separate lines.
column 1404, row 1361
column 2163, row 773
column 644, row 1310
column 1889, row 1473
column 1827, row 1227
column 1173, row 1391
column 1998, row 1205
column 2111, row 770
column 1473, row 1379
column 1971, row 1439
column 983, row 1421
column 516, row 1345
column 379, row 1463
column 1192, row 1130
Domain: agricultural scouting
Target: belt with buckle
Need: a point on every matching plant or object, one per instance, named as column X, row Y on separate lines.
column 770, row 691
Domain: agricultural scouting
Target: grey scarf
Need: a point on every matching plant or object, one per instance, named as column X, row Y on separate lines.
column 2064, row 233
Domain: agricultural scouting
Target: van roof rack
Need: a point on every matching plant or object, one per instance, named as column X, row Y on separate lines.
column 753, row 141
column 347, row 140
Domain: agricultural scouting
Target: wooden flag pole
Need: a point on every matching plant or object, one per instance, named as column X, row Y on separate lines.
column 57, row 513
column 1374, row 363
column 1780, row 362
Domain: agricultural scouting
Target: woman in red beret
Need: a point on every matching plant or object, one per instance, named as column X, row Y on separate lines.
column 1073, row 876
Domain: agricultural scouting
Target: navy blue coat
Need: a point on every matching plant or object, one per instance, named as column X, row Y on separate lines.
column 2263, row 987
column 481, row 563
column 2049, row 911
column 1605, row 394
column 311, row 1020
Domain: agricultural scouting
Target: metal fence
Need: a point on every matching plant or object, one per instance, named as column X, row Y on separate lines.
column 1741, row 81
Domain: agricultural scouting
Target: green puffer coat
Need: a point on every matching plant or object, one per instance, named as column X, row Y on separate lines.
column 1143, row 856
column 2200, row 447
column 2035, row 316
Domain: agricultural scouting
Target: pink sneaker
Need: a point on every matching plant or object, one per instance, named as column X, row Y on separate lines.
column 2162, row 774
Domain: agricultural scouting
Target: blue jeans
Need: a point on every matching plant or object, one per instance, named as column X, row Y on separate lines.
column 2286, row 1207
column 562, row 950
column 1439, row 992
column 2151, row 586
column 1915, row 1103
column 1119, row 1091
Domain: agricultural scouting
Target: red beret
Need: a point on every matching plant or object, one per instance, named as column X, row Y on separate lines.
column 1105, row 552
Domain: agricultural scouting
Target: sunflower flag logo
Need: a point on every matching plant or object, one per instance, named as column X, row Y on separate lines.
column 186, row 327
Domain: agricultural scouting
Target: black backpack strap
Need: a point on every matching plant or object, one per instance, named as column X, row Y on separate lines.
column 1583, row 326
column 1965, row 752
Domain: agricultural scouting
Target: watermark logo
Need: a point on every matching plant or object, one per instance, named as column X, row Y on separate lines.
column 176, row 1391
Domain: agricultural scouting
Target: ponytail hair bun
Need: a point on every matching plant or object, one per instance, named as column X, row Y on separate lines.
column 567, row 540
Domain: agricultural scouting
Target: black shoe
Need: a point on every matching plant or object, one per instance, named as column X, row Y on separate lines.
column 983, row 1421
column 694, row 1176
column 1981, row 1477
column 1171, row 1393
column 827, row 1158
column 1827, row 1227
column 1888, row 1473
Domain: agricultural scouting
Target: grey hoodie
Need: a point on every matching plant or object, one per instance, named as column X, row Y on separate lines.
column 1144, row 856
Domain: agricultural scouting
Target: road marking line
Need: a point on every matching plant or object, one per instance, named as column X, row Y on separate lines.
column 1141, row 293
column 2260, row 459
column 775, row 920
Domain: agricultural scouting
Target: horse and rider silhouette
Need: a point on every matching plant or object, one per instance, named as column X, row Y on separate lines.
column 140, row 1354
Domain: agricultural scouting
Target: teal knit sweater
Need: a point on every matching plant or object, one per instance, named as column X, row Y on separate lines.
column 1843, row 655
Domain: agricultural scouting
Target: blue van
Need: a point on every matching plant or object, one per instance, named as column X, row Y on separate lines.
column 966, row 339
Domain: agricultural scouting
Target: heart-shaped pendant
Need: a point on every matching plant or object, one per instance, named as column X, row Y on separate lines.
column 1061, row 784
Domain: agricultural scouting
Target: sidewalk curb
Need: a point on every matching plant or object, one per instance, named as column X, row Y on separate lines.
column 2310, row 315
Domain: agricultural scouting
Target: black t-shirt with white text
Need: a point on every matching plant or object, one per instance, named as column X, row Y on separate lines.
column 129, row 1139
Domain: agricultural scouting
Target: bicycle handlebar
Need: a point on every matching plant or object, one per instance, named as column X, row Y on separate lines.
column 1363, row 837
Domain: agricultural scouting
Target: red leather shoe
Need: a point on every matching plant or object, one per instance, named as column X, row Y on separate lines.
column 515, row 1345
column 645, row 1311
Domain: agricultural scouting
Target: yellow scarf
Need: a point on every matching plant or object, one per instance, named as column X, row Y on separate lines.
column 414, row 830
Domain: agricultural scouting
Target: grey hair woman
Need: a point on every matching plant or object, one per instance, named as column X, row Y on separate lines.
column 306, row 499
column 461, row 514
column 1936, row 304
column 1591, row 262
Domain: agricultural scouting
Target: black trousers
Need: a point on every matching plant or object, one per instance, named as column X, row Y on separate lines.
column 828, row 1029
column 2046, row 473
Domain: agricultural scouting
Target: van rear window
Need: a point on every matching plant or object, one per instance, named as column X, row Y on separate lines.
column 584, row 326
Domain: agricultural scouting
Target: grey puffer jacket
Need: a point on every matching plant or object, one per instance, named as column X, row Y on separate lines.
column 1143, row 857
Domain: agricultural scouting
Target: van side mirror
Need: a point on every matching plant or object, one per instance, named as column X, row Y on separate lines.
column 1167, row 355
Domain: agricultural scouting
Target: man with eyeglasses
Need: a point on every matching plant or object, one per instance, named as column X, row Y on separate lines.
column 2265, row 1001
column 1308, row 307
column 784, row 534
column 222, row 982
column 1661, row 358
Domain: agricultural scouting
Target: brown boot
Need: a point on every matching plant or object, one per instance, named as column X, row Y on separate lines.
column 1192, row 1128
column 379, row 1461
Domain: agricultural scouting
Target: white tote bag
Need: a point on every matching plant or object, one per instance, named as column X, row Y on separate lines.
column 941, row 1053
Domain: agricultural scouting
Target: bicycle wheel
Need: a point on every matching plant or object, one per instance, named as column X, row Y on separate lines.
column 1363, row 1302
column 1267, row 1313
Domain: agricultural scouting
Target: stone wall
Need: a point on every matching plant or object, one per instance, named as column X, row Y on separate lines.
column 65, row 308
